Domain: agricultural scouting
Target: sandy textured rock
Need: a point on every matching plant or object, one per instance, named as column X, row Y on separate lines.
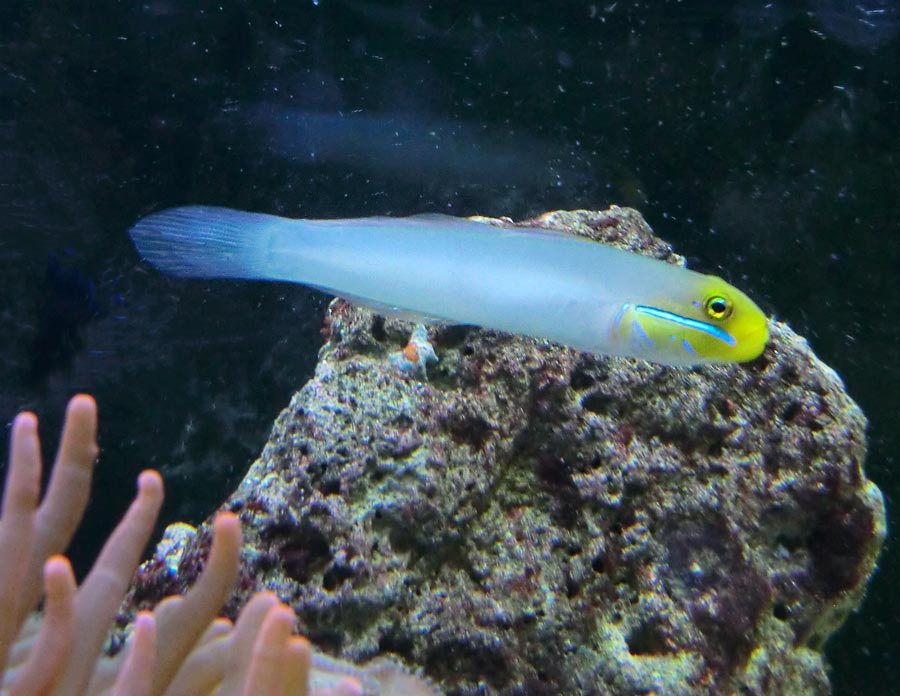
column 532, row 520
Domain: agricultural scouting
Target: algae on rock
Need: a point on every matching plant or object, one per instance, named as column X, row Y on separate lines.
column 536, row 520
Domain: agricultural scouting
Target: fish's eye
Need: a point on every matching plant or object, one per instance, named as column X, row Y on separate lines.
column 718, row 307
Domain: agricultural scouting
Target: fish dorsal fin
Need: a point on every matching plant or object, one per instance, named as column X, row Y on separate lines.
column 435, row 217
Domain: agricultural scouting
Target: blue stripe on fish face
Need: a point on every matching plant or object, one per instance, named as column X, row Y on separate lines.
column 695, row 324
column 617, row 322
column 639, row 337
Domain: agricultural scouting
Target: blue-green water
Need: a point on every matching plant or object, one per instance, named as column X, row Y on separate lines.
column 759, row 138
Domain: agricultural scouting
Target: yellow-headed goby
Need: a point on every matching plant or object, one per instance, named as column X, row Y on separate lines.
column 588, row 296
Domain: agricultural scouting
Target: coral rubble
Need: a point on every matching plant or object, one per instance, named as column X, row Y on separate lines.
column 535, row 520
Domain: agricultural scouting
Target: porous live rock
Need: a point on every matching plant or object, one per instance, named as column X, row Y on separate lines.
column 533, row 520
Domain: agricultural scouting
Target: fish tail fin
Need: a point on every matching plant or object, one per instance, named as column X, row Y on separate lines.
column 207, row 242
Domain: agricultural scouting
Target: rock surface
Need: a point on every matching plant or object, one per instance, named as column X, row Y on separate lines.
column 532, row 520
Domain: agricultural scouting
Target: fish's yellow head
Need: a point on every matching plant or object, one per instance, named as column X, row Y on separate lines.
column 703, row 320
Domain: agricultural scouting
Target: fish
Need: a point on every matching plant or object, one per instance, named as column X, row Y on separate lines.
column 403, row 146
column 533, row 282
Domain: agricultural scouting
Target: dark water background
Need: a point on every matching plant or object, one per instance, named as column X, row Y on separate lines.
column 759, row 138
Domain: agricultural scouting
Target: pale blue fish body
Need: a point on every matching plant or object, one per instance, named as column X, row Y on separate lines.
column 526, row 281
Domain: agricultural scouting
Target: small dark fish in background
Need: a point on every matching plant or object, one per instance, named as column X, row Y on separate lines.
column 68, row 302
